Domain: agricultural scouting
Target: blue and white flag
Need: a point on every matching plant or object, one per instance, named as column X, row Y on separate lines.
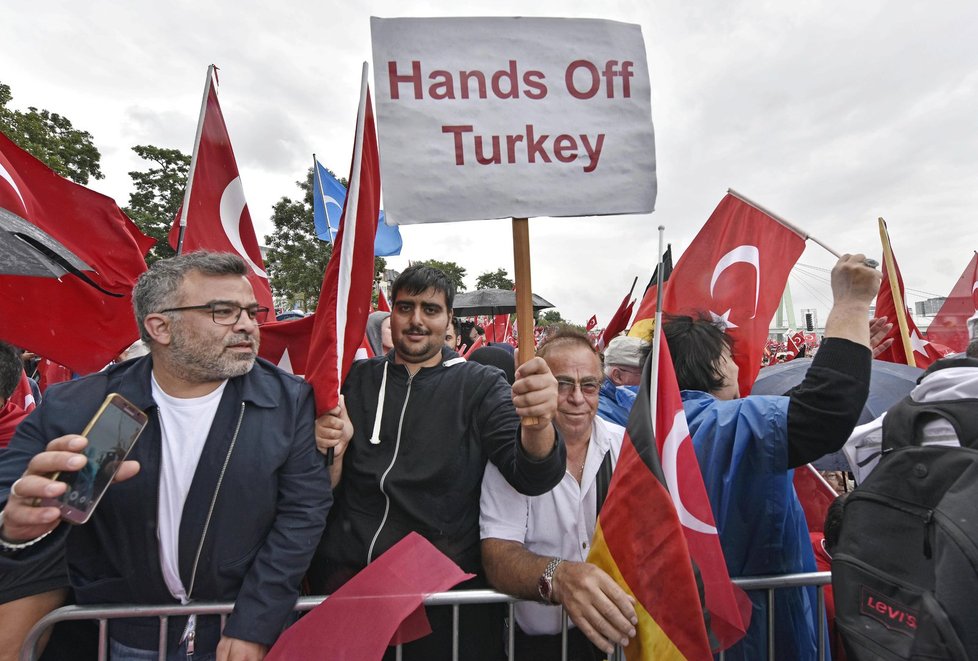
column 327, row 202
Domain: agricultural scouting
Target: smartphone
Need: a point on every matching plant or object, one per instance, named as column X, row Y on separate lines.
column 111, row 434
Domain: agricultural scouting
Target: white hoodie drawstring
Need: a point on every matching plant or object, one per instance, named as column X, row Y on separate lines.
column 375, row 436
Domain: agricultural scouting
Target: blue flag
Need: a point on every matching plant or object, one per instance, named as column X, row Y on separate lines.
column 327, row 203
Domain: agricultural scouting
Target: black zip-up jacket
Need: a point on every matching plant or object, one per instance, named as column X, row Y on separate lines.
column 437, row 431
column 267, row 520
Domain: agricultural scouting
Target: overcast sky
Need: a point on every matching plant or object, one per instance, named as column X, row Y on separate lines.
column 829, row 114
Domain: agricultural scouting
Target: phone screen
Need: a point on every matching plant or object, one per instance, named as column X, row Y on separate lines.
column 110, row 438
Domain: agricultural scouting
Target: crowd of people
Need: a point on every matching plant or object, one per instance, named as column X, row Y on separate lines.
column 227, row 495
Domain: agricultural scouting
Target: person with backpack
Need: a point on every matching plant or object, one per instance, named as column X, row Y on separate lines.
column 905, row 570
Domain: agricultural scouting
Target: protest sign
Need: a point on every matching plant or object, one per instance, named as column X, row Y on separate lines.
column 512, row 117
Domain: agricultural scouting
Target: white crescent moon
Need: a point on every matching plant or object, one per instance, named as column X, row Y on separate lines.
column 232, row 205
column 10, row 180
column 747, row 255
column 328, row 200
column 670, row 459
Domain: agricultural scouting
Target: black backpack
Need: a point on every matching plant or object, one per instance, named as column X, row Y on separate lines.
column 905, row 570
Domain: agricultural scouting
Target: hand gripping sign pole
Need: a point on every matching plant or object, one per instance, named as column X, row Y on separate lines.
column 524, row 293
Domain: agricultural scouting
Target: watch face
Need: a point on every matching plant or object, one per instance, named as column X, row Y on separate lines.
column 545, row 588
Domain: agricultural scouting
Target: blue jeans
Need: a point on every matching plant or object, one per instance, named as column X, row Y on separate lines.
column 120, row 652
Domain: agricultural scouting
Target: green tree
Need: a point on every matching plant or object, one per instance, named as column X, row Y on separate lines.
column 454, row 272
column 158, row 196
column 551, row 317
column 497, row 279
column 296, row 257
column 51, row 138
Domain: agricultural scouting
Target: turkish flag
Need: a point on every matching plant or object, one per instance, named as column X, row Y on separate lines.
column 591, row 323
column 286, row 343
column 214, row 205
column 924, row 352
column 382, row 304
column 82, row 319
column 729, row 606
column 735, row 270
column 795, row 345
column 619, row 320
column 50, row 372
column 950, row 327
column 344, row 301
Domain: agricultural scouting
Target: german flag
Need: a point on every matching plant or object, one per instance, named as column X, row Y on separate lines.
column 639, row 541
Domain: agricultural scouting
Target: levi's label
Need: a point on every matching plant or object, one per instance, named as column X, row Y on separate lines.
column 887, row 611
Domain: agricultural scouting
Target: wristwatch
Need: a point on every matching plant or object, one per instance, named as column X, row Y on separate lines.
column 545, row 585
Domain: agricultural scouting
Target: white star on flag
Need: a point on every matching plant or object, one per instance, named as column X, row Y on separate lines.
column 723, row 319
column 918, row 343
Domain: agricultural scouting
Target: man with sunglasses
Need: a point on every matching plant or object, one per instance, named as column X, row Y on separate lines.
column 536, row 547
column 224, row 496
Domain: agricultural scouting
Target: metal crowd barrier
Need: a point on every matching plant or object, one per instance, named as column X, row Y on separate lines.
column 454, row 599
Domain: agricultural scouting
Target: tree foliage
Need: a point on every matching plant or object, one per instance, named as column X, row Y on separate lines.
column 51, row 138
column 497, row 279
column 296, row 258
column 551, row 317
column 158, row 195
column 454, row 272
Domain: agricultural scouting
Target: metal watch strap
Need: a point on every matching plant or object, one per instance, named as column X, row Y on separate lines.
column 12, row 547
column 547, row 579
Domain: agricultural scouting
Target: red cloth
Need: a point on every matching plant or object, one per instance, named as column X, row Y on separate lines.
column 286, row 343
column 794, row 345
column 382, row 304
column 11, row 415
column 924, row 352
column 50, row 372
column 949, row 327
column 823, row 562
column 345, row 297
column 68, row 319
column 814, row 494
column 638, row 538
column 217, row 213
column 358, row 621
column 735, row 270
column 729, row 606
column 619, row 320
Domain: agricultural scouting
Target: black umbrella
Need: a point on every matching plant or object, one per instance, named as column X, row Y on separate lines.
column 888, row 384
column 26, row 250
column 492, row 302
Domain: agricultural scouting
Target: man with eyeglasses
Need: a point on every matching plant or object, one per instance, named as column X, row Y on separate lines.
column 536, row 547
column 623, row 358
column 224, row 496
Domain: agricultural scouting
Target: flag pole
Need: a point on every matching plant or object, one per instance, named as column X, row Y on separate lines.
column 193, row 159
column 871, row 263
column 901, row 311
column 656, row 335
column 524, row 293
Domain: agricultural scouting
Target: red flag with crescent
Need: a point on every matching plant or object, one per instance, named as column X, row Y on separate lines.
column 214, row 206
column 78, row 313
column 735, row 271
column 729, row 606
column 345, row 298
column 286, row 343
column 950, row 327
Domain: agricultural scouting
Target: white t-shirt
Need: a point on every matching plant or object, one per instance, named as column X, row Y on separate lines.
column 184, row 426
column 559, row 523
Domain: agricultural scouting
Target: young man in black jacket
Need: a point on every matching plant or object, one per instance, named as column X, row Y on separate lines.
column 411, row 445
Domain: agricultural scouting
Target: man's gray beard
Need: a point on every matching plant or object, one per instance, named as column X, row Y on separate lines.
column 199, row 365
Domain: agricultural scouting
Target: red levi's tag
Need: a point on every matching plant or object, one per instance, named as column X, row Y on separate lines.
column 888, row 612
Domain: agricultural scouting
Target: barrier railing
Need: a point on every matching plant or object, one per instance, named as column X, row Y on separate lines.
column 454, row 599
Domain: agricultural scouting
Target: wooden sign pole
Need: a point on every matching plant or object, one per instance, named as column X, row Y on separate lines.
column 524, row 294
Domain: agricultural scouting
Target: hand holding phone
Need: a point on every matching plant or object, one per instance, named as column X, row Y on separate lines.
column 111, row 434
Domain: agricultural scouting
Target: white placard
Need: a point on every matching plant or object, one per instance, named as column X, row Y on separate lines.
column 512, row 117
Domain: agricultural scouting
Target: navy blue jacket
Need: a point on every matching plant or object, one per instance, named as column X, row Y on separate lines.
column 267, row 520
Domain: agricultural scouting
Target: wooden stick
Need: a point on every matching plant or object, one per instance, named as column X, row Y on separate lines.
column 524, row 294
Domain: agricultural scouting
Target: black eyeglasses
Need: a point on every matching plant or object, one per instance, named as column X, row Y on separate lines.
column 227, row 314
column 567, row 386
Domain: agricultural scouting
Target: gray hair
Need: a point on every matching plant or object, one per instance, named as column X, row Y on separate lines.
column 156, row 288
